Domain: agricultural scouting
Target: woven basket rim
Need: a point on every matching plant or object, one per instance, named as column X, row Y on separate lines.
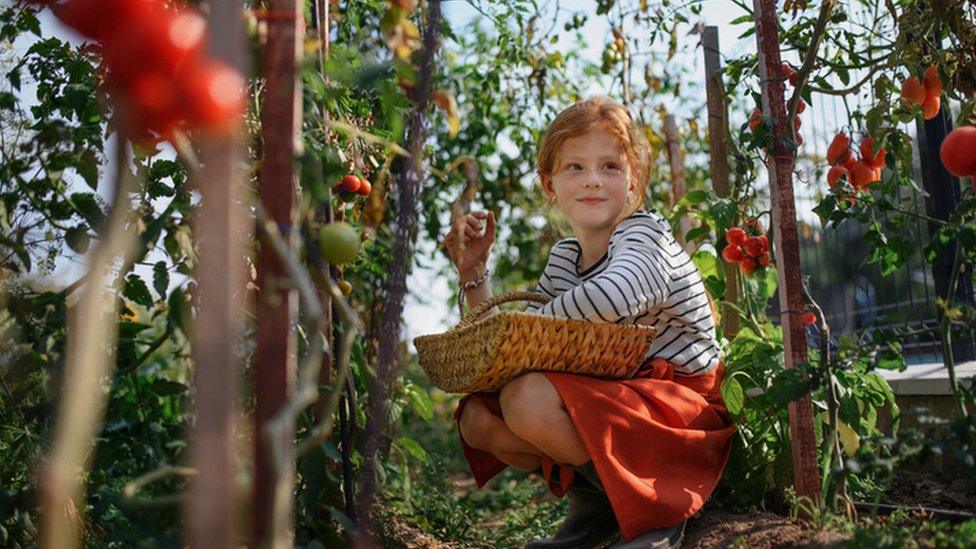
column 495, row 318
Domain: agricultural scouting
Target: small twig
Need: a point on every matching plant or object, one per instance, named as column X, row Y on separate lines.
column 948, row 514
column 130, row 499
column 819, row 30
column 353, row 131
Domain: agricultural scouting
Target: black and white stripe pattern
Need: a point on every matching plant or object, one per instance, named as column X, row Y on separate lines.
column 645, row 277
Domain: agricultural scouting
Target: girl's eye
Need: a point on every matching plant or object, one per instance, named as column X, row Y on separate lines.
column 573, row 166
column 611, row 165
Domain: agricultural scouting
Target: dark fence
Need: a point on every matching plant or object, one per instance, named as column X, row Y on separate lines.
column 854, row 294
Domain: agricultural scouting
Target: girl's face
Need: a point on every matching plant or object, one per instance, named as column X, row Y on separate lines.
column 591, row 181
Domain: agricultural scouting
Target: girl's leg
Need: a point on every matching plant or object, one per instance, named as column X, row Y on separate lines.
column 483, row 430
column 535, row 412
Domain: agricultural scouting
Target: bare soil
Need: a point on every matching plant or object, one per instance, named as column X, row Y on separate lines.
column 715, row 528
column 710, row 529
column 930, row 490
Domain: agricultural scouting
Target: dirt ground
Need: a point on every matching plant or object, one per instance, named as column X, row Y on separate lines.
column 715, row 528
column 930, row 490
column 711, row 529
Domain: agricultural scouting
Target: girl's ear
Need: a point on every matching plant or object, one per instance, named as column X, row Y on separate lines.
column 546, row 181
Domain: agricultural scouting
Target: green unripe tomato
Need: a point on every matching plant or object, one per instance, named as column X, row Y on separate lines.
column 339, row 243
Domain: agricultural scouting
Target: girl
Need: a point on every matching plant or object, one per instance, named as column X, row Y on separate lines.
column 638, row 456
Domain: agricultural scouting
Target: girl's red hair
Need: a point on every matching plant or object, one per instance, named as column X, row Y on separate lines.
column 605, row 114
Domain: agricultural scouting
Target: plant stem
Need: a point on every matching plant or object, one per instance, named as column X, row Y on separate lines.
column 946, row 330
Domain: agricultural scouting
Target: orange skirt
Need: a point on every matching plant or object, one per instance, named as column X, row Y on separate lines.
column 658, row 441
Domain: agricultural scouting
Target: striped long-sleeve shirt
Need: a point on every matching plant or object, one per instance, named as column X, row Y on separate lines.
column 645, row 277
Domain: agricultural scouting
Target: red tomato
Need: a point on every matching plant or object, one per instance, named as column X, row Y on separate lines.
column 753, row 247
column 834, row 175
column 862, row 175
column 764, row 260
column 931, row 106
column 765, row 242
column 163, row 43
column 214, row 94
column 809, row 318
column 839, row 150
column 732, row 253
column 755, row 119
column 958, row 151
column 350, row 183
column 736, row 236
column 747, row 265
column 101, row 19
column 364, row 187
column 800, row 107
column 153, row 102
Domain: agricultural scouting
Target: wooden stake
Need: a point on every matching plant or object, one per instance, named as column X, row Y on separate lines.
column 718, row 131
column 678, row 187
column 275, row 357
column 806, row 475
column 210, row 510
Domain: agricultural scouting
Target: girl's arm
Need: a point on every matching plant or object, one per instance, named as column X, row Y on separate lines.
column 481, row 292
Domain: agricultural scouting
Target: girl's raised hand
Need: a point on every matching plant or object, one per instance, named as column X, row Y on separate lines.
column 469, row 242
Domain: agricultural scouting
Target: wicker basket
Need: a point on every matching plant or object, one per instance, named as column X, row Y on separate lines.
column 483, row 355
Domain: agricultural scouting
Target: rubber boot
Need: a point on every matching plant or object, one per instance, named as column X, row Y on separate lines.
column 590, row 521
column 662, row 538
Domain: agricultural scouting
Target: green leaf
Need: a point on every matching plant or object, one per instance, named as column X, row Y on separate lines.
column 697, row 233
column 787, row 386
column 178, row 310
column 87, row 167
column 128, row 329
column 160, row 278
column 715, row 286
column 165, row 387
column 767, row 284
column 347, row 524
column 420, row 401
column 844, row 76
column 413, row 448
column 8, row 101
column 77, row 239
column 706, row 263
column 723, row 211
column 733, row 395
column 695, row 197
column 86, row 206
column 136, row 290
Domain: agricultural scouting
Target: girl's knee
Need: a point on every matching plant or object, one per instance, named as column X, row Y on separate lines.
column 477, row 424
column 528, row 402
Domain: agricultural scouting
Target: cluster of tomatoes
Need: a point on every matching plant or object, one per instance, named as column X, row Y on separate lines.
column 925, row 93
column 756, row 118
column 158, row 71
column 751, row 252
column 351, row 186
column 859, row 172
column 958, row 152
